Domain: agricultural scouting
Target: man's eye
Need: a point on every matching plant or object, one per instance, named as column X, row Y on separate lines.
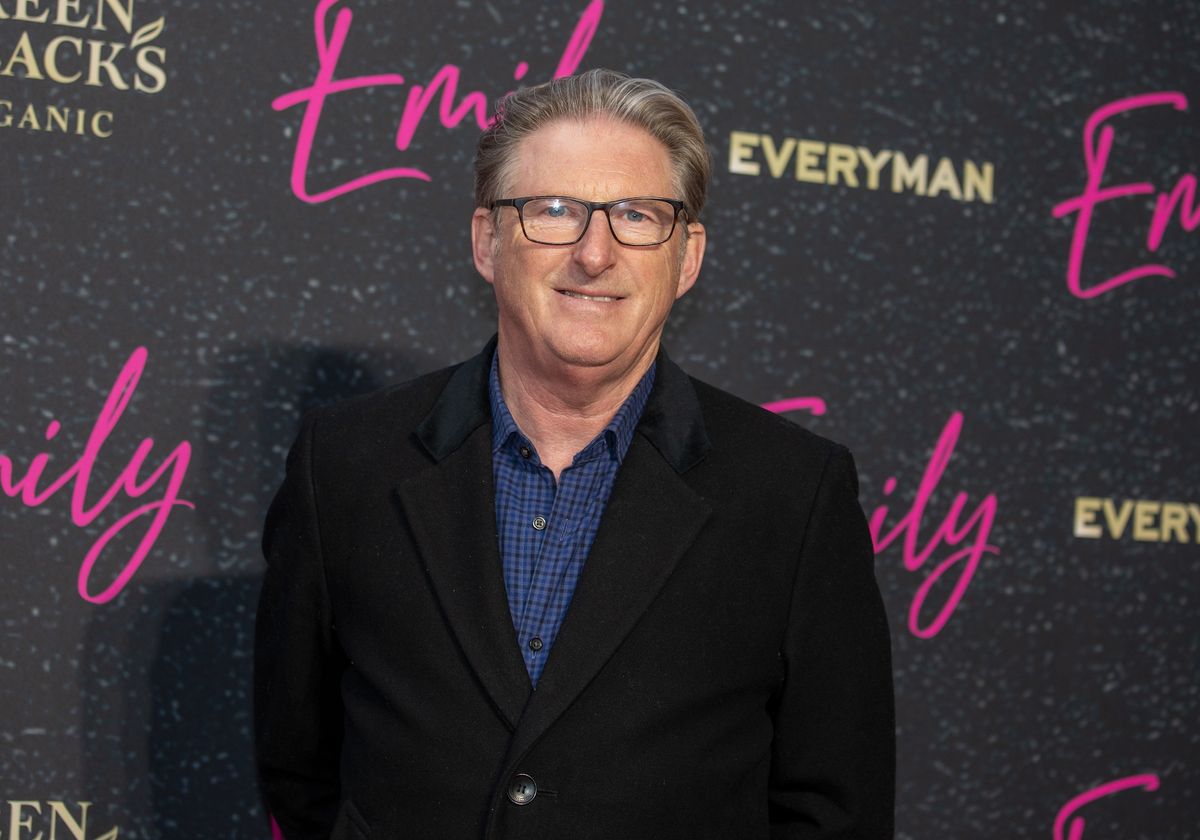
column 644, row 213
column 556, row 211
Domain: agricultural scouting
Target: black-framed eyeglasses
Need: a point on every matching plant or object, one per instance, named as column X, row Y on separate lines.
column 561, row 220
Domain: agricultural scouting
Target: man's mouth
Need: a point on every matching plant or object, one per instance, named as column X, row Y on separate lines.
column 582, row 296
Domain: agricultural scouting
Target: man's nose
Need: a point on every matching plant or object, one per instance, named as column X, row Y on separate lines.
column 597, row 249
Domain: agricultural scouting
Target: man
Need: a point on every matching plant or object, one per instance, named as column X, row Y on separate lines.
column 563, row 590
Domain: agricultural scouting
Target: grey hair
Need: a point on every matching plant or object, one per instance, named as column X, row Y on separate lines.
column 643, row 103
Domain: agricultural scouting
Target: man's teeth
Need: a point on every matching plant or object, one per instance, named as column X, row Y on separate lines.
column 587, row 297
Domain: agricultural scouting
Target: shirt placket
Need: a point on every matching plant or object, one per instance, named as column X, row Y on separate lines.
column 555, row 553
column 540, row 522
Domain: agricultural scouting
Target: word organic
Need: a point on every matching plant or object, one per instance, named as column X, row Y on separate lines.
column 64, row 120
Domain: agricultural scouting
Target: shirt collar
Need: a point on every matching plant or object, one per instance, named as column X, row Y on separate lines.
column 617, row 435
column 672, row 421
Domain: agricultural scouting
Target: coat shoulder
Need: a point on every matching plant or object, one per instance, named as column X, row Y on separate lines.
column 367, row 431
column 733, row 423
column 758, row 450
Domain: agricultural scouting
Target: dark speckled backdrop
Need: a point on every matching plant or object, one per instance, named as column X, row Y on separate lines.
column 165, row 216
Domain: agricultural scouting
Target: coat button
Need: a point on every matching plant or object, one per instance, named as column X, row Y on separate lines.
column 522, row 789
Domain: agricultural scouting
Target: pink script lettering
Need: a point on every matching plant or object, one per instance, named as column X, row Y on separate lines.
column 949, row 531
column 174, row 467
column 813, row 405
column 1067, row 826
column 1097, row 146
column 952, row 531
column 331, row 42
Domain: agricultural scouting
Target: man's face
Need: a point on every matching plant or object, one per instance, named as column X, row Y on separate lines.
column 597, row 303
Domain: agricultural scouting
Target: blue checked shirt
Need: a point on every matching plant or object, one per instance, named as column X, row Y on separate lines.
column 546, row 530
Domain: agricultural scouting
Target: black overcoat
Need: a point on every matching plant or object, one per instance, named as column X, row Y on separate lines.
column 723, row 670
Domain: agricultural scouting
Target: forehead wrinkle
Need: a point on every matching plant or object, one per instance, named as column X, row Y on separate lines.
column 549, row 163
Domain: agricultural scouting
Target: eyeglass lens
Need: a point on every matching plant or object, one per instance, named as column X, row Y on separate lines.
column 561, row 221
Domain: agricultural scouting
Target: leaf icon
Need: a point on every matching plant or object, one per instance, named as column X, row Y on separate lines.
column 147, row 33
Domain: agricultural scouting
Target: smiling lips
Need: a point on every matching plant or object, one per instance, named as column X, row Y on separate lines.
column 582, row 296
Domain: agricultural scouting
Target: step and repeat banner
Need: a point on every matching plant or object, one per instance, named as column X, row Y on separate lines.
column 958, row 237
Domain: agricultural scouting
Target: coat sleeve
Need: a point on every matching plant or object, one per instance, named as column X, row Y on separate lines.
column 297, row 661
column 833, row 757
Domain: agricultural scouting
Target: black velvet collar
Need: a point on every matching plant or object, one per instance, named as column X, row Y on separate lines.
column 672, row 421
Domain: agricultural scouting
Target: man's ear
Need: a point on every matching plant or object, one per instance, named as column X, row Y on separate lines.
column 483, row 242
column 693, row 256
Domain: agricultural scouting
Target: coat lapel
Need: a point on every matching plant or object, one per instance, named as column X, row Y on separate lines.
column 451, row 510
column 651, row 519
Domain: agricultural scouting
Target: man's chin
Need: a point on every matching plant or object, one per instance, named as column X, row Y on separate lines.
column 585, row 359
column 586, row 355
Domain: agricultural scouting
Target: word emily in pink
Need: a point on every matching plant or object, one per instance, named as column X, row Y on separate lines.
column 951, row 531
column 1097, row 146
column 329, row 51
column 1073, row 830
column 174, row 467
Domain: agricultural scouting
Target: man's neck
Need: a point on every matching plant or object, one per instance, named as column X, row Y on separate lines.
column 561, row 411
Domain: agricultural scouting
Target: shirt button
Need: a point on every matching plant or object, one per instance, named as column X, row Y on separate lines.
column 535, row 644
column 525, row 451
column 522, row 789
column 539, row 523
